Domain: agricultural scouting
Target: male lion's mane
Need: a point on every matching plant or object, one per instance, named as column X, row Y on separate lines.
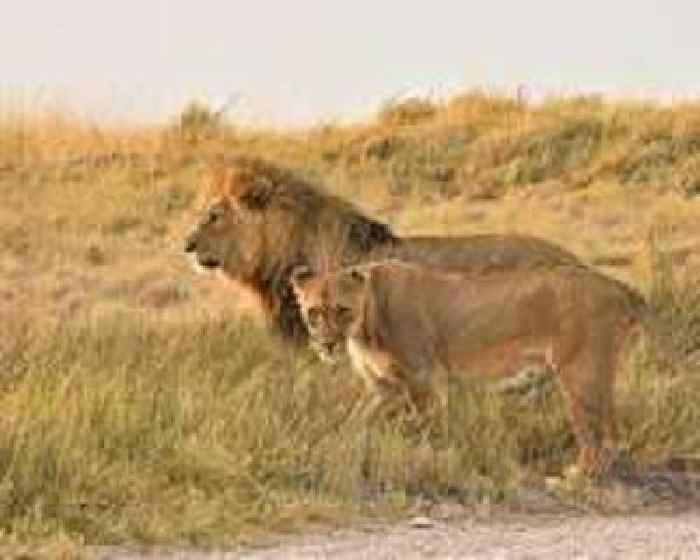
column 312, row 225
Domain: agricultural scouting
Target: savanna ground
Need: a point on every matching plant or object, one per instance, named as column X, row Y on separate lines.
column 138, row 407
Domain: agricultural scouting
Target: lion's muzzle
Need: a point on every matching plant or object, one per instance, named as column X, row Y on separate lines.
column 200, row 257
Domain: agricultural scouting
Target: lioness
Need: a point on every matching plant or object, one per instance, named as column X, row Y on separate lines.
column 407, row 327
column 262, row 220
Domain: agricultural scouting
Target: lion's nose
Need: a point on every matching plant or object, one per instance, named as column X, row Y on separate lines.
column 190, row 244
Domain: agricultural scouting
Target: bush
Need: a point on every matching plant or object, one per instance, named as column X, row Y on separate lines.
column 198, row 121
column 413, row 110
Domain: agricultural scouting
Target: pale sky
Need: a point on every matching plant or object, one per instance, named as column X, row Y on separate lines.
column 313, row 60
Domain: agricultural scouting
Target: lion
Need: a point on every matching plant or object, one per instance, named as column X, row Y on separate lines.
column 409, row 328
column 262, row 220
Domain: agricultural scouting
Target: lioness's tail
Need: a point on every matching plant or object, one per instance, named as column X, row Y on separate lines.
column 662, row 339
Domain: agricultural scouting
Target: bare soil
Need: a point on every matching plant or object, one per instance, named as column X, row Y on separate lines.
column 583, row 537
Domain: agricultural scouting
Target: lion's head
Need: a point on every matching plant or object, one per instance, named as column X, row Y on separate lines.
column 261, row 220
column 224, row 238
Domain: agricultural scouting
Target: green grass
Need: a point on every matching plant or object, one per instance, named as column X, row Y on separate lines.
column 139, row 406
column 121, row 427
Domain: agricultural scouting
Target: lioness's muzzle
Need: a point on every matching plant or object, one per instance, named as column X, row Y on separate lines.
column 190, row 244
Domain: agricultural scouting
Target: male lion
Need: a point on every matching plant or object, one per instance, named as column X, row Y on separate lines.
column 408, row 328
column 262, row 221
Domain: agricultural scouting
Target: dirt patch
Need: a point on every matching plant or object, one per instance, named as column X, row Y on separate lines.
column 517, row 537
column 650, row 515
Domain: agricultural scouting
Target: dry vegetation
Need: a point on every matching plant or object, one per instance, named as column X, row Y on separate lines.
column 136, row 406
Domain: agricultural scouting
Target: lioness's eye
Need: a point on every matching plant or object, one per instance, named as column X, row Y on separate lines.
column 344, row 313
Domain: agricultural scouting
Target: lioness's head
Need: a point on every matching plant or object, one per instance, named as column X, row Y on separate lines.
column 331, row 307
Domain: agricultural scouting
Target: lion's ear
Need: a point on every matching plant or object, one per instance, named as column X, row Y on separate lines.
column 368, row 234
column 256, row 195
column 300, row 274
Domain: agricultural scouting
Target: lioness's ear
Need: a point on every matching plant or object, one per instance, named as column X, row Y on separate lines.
column 359, row 273
column 300, row 274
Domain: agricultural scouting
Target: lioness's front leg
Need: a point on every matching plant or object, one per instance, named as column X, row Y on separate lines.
column 387, row 395
column 382, row 396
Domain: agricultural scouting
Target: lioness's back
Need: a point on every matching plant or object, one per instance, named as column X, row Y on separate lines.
column 462, row 319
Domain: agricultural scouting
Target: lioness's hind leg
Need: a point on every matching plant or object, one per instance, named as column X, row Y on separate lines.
column 588, row 383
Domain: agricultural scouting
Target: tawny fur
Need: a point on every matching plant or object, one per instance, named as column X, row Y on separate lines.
column 408, row 328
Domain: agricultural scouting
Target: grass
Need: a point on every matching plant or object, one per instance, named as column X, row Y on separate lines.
column 138, row 406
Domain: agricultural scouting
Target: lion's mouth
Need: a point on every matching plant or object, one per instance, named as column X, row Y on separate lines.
column 203, row 263
column 207, row 261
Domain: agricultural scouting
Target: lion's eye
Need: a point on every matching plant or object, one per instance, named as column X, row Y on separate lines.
column 214, row 214
column 314, row 315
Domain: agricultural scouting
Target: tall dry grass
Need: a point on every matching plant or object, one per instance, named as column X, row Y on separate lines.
column 136, row 403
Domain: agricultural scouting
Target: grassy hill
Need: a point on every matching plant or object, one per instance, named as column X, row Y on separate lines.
column 136, row 403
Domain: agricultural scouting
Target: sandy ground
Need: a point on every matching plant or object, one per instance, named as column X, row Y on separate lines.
column 585, row 537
